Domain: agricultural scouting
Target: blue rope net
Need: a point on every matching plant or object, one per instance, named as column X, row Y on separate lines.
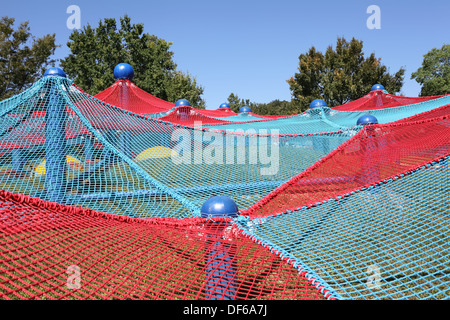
column 387, row 241
column 399, row 250
column 111, row 160
column 327, row 120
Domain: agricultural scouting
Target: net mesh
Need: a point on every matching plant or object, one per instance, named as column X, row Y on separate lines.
column 126, row 95
column 115, row 159
column 189, row 116
column 385, row 242
column 376, row 153
column 221, row 112
column 99, row 202
column 380, row 99
column 328, row 120
column 44, row 246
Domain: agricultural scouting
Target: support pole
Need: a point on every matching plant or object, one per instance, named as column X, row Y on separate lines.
column 108, row 156
column 88, row 148
column 221, row 260
column 55, row 146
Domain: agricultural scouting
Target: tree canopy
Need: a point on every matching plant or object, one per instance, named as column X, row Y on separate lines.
column 275, row 107
column 236, row 103
column 23, row 58
column 340, row 75
column 434, row 74
column 96, row 51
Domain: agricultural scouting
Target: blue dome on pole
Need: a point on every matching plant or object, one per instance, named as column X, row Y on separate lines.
column 219, row 206
column 124, row 71
column 182, row 103
column 224, row 105
column 366, row 119
column 377, row 87
column 318, row 103
column 245, row 109
column 55, row 72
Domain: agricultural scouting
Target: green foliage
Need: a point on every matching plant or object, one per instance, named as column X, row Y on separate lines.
column 434, row 75
column 184, row 86
column 236, row 103
column 340, row 75
column 23, row 58
column 275, row 107
column 95, row 53
column 279, row 107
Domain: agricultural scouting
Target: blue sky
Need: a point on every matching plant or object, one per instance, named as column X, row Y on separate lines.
column 251, row 47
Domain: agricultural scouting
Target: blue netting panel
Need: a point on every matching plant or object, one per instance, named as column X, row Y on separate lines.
column 104, row 158
column 386, row 242
column 312, row 121
column 77, row 169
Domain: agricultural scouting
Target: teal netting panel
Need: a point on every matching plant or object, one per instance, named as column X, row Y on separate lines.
column 386, row 242
column 242, row 117
column 312, row 121
column 60, row 144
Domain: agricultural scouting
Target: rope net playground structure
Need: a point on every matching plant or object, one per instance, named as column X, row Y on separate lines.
column 100, row 202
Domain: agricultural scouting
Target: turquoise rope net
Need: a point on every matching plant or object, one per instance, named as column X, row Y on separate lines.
column 306, row 185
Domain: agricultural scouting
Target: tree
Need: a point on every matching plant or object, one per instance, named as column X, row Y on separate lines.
column 340, row 75
column 278, row 107
column 96, row 51
column 275, row 107
column 184, row 86
column 23, row 58
column 434, row 75
column 236, row 103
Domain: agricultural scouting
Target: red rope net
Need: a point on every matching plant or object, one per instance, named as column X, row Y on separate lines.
column 435, row 113
column 189, row 116
column 52, row 251
column 126, row 95
column 224, row 112
column 375, row 154
column 381, row 100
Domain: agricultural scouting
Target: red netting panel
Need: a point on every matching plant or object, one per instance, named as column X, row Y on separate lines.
column 380, row 100
column 126, row 95
column 188, row 116
column 376, row 153
column 223, row 112
column 51, row 251
column 271, row 117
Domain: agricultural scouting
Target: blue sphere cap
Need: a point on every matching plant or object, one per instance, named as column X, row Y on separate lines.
column 245, row 109
column 124, row 71
column 377, row 87
column 366, row 119
column 219, row 206
column 55, row 72
column 224, row 105
column 318, row 103
column 182, row 103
